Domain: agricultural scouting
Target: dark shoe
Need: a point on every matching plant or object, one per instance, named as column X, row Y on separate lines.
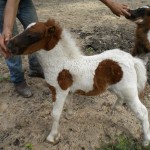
column 36, row 74
column 23, row 89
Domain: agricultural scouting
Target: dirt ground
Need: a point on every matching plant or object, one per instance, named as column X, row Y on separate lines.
column 25, row 122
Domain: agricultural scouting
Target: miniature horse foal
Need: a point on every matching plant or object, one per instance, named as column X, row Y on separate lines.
column 67, row 70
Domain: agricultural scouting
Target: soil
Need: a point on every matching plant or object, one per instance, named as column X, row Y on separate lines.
column 27, row 122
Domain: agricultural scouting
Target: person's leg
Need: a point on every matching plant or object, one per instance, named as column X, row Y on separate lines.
column 16, row 73
column 15, row 63
column 27, row 14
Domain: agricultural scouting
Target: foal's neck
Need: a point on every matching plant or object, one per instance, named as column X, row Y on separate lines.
column 66, row 49
column 67, row 46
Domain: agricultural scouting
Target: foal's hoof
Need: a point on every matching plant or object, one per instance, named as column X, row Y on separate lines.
column 69, row 115
column 146, row 143
column 54, row 139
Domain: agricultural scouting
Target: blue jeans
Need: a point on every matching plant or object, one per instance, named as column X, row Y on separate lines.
column 26, row 15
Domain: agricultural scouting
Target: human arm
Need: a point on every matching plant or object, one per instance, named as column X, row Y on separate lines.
column 117, row 8
column 10, row 12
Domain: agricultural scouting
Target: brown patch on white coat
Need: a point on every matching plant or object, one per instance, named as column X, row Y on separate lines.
column 53, row 91
column 65, row 79
column 107, row 73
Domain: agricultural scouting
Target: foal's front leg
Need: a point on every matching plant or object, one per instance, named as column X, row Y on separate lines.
column 54, row 135
column 69, row 106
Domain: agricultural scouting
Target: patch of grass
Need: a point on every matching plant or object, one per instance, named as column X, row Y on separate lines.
column 29, row 146
column 124, row 143
column 4, row 78
column 90, row 49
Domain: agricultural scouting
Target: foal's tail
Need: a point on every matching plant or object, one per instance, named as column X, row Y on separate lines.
column 141, row 74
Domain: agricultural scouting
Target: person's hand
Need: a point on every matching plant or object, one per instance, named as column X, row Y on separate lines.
column 119, row 9
column 4, row 38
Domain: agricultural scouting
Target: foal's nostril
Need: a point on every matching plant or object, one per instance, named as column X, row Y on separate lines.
column 11, row 48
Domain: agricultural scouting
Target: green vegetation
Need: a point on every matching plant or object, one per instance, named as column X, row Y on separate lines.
column 124, row 143
column 29, row 146
column 89, row 50
column 4, row 78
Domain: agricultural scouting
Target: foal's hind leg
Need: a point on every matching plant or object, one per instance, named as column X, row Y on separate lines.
column 118, row 101
column 142, row 114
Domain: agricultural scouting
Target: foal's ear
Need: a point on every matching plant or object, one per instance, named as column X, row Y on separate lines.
column 51, row 29
column 51, row 26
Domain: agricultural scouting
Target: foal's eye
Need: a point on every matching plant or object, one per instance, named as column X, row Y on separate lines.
column 148, row 14
column 30, row 36
column 34, row 37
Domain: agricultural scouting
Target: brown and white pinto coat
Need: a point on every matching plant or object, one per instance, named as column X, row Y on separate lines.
column 142, row 40
column 141, row 17
column 67, row 70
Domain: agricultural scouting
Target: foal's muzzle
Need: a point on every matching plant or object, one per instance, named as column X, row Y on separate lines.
column 12, row 48
column 137, row 13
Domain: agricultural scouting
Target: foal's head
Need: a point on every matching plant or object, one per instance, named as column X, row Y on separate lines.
column 138, row 13
column 144, row 21
column 39, row 35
